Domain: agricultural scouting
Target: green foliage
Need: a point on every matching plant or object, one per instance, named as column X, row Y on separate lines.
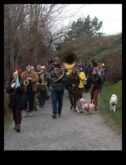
column 84, row 27
column 102, row 46
column 107, row 49
column 7, row 121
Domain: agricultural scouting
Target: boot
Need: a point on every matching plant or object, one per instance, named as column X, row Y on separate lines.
column 54, row 116
column 17, row 128
column 35, row 109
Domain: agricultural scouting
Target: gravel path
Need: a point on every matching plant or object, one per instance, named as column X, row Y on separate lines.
column 71, row 131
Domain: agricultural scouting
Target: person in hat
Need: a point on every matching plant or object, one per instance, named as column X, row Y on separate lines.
column 29, row 77
column 34, row 107
column 42, row 86
column 57, row 86
column 16, row 90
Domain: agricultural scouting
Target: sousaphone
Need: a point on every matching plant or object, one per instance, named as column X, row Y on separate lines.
column 69, row 60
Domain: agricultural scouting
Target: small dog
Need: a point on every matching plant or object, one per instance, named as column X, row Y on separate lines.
column 113, row 102
column 80, row 105
column 90, row 107
column 85, row 106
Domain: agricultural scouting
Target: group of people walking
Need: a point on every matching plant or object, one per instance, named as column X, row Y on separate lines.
column 28, row 86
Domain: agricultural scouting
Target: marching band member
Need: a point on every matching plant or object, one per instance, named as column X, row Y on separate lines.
column 57, row 86
column 30, row 78
column 16, row 91
column 34, row 107
column 38, row 68
column 42, row 85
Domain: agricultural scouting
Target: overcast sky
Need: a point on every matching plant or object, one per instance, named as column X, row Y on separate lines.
column 110, row 14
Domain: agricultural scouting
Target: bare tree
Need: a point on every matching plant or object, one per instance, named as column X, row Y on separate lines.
column 28, row 34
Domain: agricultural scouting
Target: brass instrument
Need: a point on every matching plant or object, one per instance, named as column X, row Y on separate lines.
column 56, row 74
column 26, row 82
column 69, row 61
column 44, row 82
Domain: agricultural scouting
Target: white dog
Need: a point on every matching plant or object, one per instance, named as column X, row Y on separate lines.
column 113, row 102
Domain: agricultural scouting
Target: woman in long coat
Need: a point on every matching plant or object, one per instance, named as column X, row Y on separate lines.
column 16, row 90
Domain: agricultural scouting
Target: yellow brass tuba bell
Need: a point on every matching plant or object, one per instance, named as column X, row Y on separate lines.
column 69, row 61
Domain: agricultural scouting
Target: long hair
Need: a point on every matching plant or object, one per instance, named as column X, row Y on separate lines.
column 94, row 64
column 74, row 74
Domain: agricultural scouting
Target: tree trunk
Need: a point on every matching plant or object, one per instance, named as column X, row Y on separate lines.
column 12, row 57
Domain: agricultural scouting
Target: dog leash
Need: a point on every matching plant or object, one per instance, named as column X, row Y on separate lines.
column 103, row 97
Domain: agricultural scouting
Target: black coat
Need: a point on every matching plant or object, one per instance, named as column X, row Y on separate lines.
column 96, row 82
column 60, row 84
column 16, row 97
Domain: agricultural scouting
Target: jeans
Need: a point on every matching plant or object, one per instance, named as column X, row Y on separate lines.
column 57, row 99
column 81, row 91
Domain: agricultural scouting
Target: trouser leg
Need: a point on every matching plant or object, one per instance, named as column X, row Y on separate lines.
column 54, row 101
column 31, row 101
column 60, row 100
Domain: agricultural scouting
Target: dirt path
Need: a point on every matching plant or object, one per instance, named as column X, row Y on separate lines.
column 72, row 131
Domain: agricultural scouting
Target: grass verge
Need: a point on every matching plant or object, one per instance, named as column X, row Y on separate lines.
column 112, row 118
column 7, row 121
